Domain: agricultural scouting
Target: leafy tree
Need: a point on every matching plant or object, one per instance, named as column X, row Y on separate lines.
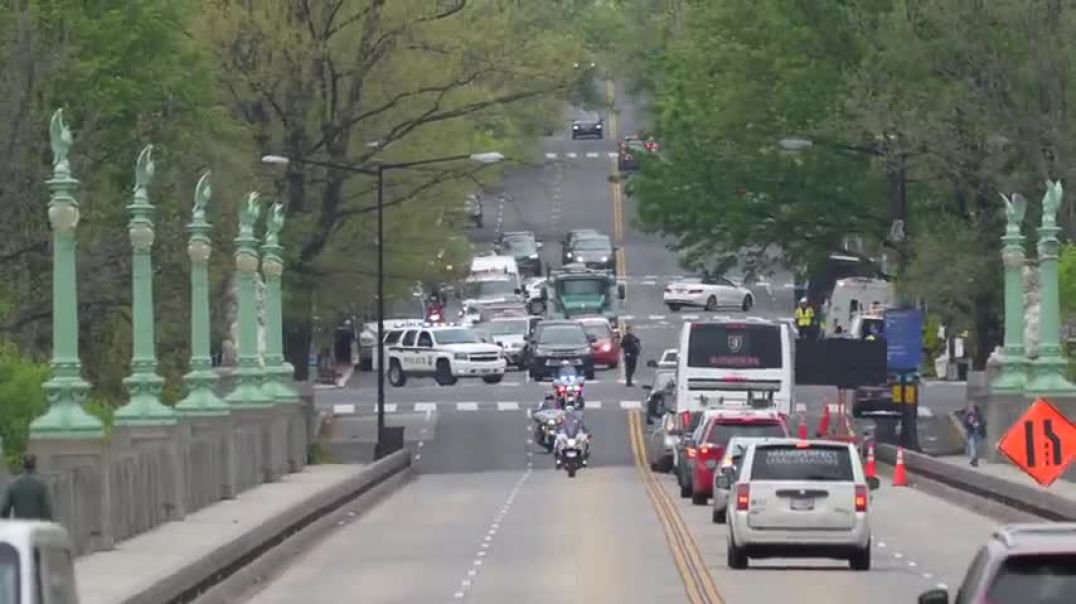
column 323, row 81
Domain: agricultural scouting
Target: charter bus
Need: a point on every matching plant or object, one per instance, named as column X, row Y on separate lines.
column 732, row 361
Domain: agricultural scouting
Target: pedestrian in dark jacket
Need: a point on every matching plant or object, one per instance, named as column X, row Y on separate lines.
column 975, row 427
column 631, row 347
column 27, row 497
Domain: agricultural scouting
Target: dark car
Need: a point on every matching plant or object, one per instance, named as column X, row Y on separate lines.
column 569, row 240
column 588, row 126
column 554, row 342
column 595, row 252
column 525, row 251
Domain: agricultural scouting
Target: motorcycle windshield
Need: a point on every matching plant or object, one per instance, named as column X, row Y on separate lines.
column 572, row 427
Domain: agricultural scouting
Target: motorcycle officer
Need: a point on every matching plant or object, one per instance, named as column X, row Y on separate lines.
column 567, row 375
column 573, row 426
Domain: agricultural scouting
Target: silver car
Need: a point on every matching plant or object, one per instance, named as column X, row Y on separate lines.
column 801, row 499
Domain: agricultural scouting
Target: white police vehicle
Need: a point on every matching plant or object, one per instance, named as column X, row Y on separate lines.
column 446, row 353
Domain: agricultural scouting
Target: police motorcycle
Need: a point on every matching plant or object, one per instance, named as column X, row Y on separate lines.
column 572, row 450
column 547, row 418
column 568, row 387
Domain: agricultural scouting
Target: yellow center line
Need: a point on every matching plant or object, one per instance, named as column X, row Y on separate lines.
column 694, row 595
column 665, row 506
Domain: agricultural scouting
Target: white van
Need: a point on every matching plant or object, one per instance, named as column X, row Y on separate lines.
column 727, row 361
column 36, row 563
column 853, row 296
column 492, row 265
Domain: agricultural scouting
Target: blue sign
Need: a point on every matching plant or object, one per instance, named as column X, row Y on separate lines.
column 904, row 339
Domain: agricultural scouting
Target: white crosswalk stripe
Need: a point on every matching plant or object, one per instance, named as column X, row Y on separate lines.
column 551, row 156
column 690, row 317
column 592, row 154
column 421, row 407
column 631, row 405
column 343, row 409
column 507, row 406
column 650, row 282
column 572, row 155
column 593, row 404
column 612, row 154
column 656, row 317
column 627, row 317
column 466, row 406
column 390, row 407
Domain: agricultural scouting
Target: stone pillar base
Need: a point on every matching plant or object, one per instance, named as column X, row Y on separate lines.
column 82, row 501
column 210, row 465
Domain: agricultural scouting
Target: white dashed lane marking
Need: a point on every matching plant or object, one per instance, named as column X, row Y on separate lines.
column 343, row 409
column 467, row 406
column 630, row 405
column 592, row 154
column 656, row 317
column 425, row 407
column 507, row 406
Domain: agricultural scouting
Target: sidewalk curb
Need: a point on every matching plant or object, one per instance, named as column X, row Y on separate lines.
column 199, row 576
column 1017, row 496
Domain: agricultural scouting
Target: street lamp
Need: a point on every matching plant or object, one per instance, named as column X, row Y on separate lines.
column 490, row 157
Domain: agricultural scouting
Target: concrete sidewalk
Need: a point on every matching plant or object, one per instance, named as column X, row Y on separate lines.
column 1064, row 487
column 161, row 564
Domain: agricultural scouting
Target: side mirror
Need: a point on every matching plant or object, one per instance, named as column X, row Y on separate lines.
column 621, row 291
column 934, row 596
column 592, row 338
column 539, row 245
column 652, row 364
column 873, row 483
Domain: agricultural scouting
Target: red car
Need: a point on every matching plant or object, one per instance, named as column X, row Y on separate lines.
column 720, row 426
column 605, row 342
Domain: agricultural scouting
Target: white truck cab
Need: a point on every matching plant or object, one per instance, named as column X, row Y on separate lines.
column 36, row 563
column 854, row 296
column 446, row 353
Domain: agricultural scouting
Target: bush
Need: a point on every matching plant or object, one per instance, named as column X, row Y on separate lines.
column 23, row 399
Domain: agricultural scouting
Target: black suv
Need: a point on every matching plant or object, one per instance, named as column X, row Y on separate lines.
column 554, row 342
column 588, row 126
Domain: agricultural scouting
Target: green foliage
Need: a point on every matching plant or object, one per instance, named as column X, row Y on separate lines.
column 24, row 399
column 1066, row 269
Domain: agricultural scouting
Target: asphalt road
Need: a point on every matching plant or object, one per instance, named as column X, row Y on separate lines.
column 489, row 520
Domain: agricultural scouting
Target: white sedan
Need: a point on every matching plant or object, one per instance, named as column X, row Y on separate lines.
column 710, row 293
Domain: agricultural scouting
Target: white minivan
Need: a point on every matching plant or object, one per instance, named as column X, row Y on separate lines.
column 36, row 563
column 482, row 266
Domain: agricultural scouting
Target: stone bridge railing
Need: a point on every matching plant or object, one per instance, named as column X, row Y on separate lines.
column 158, row 462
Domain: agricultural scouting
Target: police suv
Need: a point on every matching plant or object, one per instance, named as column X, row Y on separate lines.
column 446, row 353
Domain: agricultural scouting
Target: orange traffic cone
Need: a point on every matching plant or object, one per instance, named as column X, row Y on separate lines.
column 870, row 468
column 900, row 478
column 823, row 424
column 803, row 426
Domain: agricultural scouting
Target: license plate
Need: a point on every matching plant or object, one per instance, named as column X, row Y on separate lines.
column 570, row 453
column 802, row 505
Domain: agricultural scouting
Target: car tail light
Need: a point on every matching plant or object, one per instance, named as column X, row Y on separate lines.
column 685, row 419
column 743, row 497
column 861, row 499
column 691, row 452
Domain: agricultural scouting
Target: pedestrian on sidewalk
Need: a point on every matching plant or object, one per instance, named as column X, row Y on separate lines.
column 27, row 497
column 631, row 346
column 975, row 428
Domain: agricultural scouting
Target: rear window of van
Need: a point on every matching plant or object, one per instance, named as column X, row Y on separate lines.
column 790, row 462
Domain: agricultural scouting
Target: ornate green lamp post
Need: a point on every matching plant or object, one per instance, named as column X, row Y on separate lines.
column 201, row 398
column 250, row 374
column 65, row 389
column 1048, row 371
column 278, row 371
column 1012, row 361
column 144, row 384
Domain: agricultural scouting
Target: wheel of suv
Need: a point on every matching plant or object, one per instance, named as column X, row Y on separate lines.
column 443, row 373
column 748, row 302
column 590, row 373
column 396, row 373
column 492, row 379
column 674, row 307
column 717, row 516
column 861, row 559
column 736, row 555
column 697, row 499
column 711, row 304
column 685, row 491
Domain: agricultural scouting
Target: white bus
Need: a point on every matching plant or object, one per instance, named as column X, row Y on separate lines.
column 728, row 361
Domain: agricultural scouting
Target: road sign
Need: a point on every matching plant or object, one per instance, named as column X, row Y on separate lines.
column 903, row 338
column 1042, row 442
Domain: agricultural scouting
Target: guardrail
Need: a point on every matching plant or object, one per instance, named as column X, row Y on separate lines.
column 1020, row 497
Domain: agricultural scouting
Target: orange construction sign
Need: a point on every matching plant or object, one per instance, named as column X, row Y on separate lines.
column 1042, row 442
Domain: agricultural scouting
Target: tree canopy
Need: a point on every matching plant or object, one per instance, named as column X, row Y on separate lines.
column 918, row 109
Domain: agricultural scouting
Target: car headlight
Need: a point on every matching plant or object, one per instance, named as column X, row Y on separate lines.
column 605, row 258
column 460, row 356
column 551, row 422
column 599, row 126
column 575, row 126
column 533, row 256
